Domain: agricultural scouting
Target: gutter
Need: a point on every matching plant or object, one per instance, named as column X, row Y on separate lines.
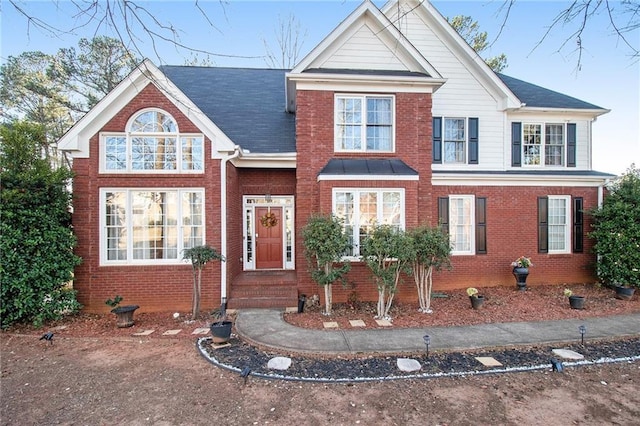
column 223, row 222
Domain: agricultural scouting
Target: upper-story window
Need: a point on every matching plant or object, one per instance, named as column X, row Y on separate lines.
column 152, row 143
column 543, row 144
column 364, row 123
column 455, row 140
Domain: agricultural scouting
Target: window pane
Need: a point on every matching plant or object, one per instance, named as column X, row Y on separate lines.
column 116, row 225
column 153, row 122
column 379, row 111
column 116, row 153
column 152, row 153
column 531, row 143
column 378, row 138
column 454, row 140
column 557, row 224
column 343, row 209
column 460, row 226
column 192, row 153
column 391, row 209
column 554, row 145
column 192, row 219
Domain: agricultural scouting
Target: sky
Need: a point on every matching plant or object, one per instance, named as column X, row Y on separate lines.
column 236, row 31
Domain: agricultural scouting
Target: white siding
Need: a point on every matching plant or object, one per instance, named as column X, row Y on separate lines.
column 362, row 50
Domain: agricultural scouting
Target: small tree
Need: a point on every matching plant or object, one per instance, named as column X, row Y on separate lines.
column 325, row 244
column 386, row 251
column 431, row 250
column 199, row 257
column 616, row 232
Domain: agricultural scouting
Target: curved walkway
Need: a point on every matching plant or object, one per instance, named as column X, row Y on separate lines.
column 266, row 327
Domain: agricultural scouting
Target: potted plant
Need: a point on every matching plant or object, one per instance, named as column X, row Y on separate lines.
column 221, row 327
column 616, row 235
column 576, row 302
column 521, row 271
column 476, row 299
column 124, row 314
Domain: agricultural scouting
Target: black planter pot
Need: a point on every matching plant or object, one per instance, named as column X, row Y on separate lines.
column 301, row 301
column 124, row 315
column 476, row 301
column 221, row 331
column 521, row 275
column 576, row 302
column 624, row 292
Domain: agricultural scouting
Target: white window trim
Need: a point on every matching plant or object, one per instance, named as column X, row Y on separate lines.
column 364, row 97
column 472, row 237
column 567, row 225
column 130, row 135
column 356, row 201
column 135, row 262
column 543, row 145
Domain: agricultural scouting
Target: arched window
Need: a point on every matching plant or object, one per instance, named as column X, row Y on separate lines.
column 152, row 143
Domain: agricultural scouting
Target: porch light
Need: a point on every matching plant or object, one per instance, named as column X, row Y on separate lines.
column 427, row 342
column 267, row 197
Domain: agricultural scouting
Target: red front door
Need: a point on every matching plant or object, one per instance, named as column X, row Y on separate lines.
column 268, row 237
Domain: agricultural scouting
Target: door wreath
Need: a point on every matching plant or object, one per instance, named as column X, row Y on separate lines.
column 269, row 220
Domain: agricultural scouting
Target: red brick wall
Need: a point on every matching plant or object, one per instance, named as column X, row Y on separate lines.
column 153, row 287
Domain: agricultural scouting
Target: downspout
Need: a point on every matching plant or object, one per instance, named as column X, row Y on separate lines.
column 223, row 219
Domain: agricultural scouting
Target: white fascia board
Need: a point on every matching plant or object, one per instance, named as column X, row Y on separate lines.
column 384, row 83
column 285, row 160
column 509, row 180
column 592, row 113
column 368, row 177
column 76, row 140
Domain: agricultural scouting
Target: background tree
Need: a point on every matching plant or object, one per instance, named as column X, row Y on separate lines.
column 616, row 232
column 470, row 32
column 325, row 244
column 430, row 250
column 290, row 40
column 199, row 256
column 386, row 251
column 36, row 239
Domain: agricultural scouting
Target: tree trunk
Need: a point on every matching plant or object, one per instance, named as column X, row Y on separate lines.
column 327, row 299
column 196, row 294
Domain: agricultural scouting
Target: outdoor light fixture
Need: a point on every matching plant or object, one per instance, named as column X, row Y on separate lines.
column 267, row 197
column 427, row 342
column 582, row 329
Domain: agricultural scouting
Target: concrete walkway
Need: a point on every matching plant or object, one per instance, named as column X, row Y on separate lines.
column 267, row 328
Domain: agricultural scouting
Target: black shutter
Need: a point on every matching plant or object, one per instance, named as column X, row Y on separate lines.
column 516, row 144
column 543, row 225
column 437, row 140
column 571, row 145
column 443, row 214
column 578, row 225
column 473, row 140
column 481, row 225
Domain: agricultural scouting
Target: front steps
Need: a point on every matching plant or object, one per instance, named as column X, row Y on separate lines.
column 264, row 289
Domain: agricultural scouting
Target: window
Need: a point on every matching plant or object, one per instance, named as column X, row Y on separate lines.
column 364, row 123
column 549, row 153
column 362, row 209
column 149, row 226
column 152, row 143
column 464, row 218
column 455, row 140
column 554, row 222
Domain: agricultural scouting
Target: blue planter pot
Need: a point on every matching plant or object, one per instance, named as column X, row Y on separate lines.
column 521, row 275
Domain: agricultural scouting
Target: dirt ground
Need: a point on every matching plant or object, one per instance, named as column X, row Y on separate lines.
column 97, row 374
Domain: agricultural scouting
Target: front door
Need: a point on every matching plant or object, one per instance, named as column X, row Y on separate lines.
column 268, row 237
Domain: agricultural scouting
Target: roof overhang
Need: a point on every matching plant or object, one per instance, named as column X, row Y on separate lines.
column 525, row 110
column 524, row 178
column 249, row 160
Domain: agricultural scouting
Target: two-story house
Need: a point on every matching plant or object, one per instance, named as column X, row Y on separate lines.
column 391, row 119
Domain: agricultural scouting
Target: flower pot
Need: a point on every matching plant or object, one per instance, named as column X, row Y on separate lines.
column 476, row 301
column 220, row 331
column 521, row 275
column 576, row 302
column 124, row 315
column 624, row 292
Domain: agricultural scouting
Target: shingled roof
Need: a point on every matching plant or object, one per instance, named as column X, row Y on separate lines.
column 248, row 104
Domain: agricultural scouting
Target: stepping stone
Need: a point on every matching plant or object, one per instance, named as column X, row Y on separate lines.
column 219, row 346
column 408, row 365
column 567, row 354
column 143, row 333
column 488, row 361
column 330, row 324
column 203, row 330
column 171, row 332
column 383, row 323
column 279, row 363
column 357, row 323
